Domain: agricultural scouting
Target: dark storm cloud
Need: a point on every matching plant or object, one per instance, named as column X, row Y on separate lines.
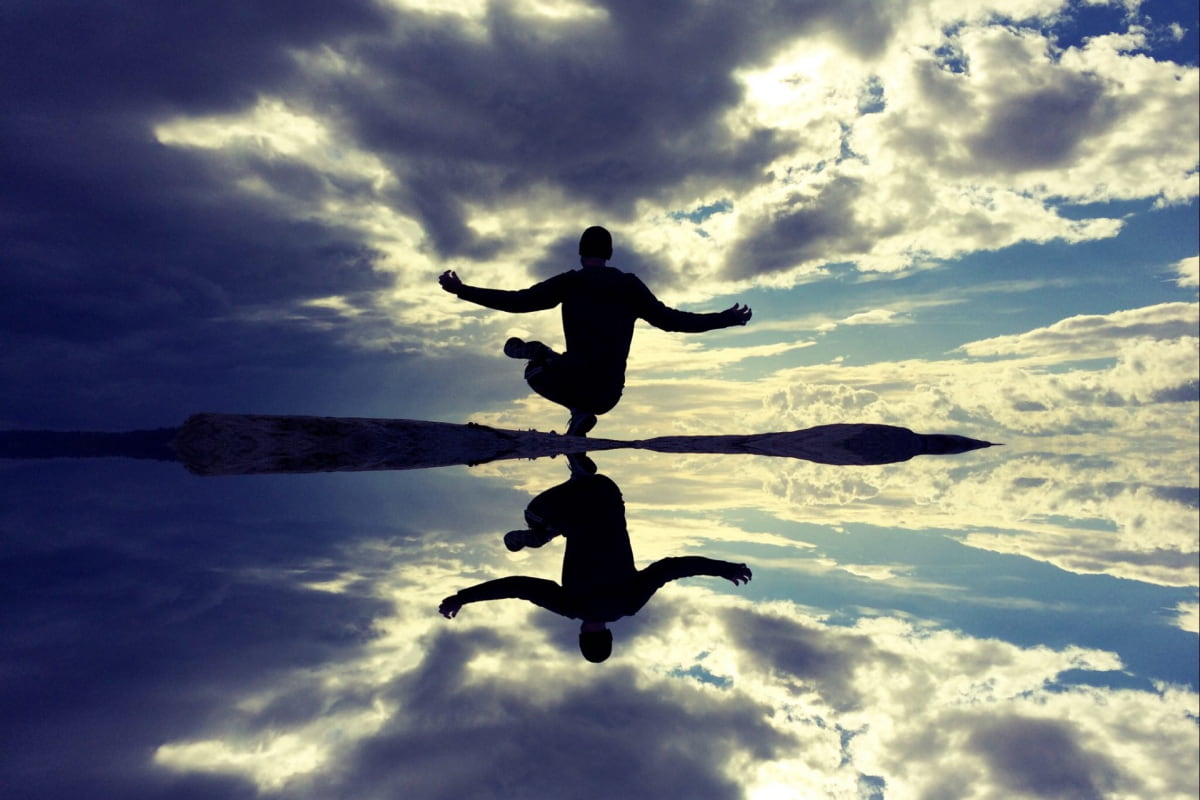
column 606, row 738
column 114, row 58
column 111, row 240
column 808, row 228
column 89, row 192
column 155, row 378
column 122, row 233
column 121, row 635
column 1042, row 758
column 1043, row 129
column 806, row 656
column 611, row 110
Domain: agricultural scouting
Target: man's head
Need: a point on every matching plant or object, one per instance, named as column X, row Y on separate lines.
column 596, row 242
column 595, row 641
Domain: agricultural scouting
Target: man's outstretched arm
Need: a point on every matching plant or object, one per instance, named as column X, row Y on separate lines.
column 538, row 297
column 676, row 567
column 660, row 315
column 665, row 570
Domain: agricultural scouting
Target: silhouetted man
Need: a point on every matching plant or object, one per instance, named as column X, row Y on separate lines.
column 600, row 583
column 600, row 305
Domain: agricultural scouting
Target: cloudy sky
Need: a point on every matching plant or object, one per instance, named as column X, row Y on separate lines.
column 973, row 217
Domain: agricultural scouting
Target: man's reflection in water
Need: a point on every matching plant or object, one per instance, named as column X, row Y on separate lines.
column 600, row 583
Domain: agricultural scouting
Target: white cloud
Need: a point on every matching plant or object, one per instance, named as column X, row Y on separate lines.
column 675, row 354
column 979, row 134
column 1189, row 272
column 1094, row 335
column 1188, row 617
column 875, row 316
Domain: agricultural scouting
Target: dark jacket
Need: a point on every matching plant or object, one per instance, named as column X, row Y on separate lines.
column 599, row 308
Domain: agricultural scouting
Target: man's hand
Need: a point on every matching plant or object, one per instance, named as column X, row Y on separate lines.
column 737, row 573
column 450, row 282
column 451, row 606
column 737, row 315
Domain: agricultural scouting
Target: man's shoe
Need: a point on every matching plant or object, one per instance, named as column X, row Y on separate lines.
column 581, row 422
column 519, row 348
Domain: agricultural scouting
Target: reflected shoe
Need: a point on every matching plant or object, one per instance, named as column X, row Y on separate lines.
column 580, row 465
column 519, row 348
column 519, row 540
column 581, row 422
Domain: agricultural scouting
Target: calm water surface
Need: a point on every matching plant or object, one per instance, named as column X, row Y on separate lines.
column 1010, row 622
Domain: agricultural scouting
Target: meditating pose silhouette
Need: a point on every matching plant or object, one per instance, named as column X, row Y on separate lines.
column 600, row 305
column 600, row 583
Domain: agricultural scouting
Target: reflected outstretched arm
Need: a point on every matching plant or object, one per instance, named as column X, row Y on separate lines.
column 450, row 607
column 539, row 591
column 670, row 569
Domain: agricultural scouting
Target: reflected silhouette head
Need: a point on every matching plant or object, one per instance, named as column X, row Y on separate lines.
column 596, row 242
column 595, row 642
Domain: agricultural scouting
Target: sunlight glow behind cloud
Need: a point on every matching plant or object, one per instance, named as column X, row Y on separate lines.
column 933, row 173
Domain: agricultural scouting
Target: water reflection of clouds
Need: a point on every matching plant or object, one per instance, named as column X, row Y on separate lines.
column 1098, row 515
column 714, row 693
column 281, row 632
column 1096, row 520
column 318, row 665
